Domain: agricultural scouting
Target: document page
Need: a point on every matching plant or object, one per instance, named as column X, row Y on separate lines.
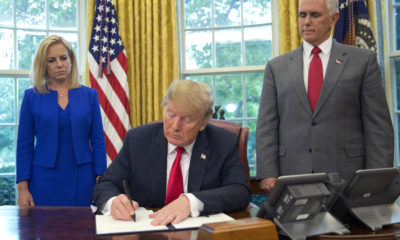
column 106, row 225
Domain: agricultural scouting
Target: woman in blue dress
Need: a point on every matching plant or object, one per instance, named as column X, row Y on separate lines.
column 61, row 146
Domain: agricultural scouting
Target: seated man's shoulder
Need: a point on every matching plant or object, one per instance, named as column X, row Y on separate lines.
column 146, row 129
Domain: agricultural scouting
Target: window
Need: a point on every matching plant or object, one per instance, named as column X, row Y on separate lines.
column 394, row 10
column 226, row 44
column 23, row 25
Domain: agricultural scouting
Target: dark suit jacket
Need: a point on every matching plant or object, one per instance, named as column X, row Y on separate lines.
column 219, row 180
column 350, row 129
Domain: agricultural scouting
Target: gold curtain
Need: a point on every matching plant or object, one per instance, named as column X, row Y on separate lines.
column 288, row 31
column 148, row 29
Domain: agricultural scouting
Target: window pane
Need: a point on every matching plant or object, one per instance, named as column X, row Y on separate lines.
column 28, row 43
column 198, row 49
column 7, row 100
column 258, row 45
column 398, row 134
column 251, row 146
column 6, row 12
column 396, row 22
column 23, row 83
column 197, row 13
column 256, row 11
column 397, row 81
column 7, row 148
column 6, row 50
column 254, row 82
column 227, row 12
column 229, row 94
column 7, row 190
column 63, row 14
column 31, row 13
column 228, row 48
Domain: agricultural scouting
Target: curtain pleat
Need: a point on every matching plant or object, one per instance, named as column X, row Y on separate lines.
column 288, row 31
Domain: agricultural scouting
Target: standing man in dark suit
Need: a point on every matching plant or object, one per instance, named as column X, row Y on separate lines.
column 212, row 177
column 341, row 125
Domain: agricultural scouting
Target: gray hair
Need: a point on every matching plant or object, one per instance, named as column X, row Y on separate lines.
column 331, row 5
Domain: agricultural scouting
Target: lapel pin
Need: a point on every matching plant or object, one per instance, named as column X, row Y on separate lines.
column 203, row 156
column 338, row 61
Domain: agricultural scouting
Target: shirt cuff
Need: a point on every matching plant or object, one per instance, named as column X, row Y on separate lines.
column 196, row 206
column 107, row 207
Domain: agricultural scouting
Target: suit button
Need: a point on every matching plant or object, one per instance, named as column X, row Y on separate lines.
column 313, row 123
column 310, row 150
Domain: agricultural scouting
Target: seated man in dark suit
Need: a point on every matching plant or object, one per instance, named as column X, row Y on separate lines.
column 184, row 165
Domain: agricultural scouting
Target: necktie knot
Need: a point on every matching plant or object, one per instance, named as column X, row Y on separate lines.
column 316, row 50
column 180, row 150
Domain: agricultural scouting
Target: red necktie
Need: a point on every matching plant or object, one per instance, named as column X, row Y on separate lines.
column 175, row 180
column 315, row 76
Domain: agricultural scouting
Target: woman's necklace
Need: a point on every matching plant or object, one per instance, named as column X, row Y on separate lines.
column 61, row 92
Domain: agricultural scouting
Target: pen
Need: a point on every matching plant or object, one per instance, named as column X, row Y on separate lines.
column 128, row 194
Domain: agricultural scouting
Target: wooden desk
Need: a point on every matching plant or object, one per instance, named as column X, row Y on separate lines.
column 61, row 223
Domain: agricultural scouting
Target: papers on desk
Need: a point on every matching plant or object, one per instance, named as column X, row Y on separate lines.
column 107, row 225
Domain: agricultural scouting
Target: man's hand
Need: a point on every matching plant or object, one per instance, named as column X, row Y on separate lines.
column 267, row 184
column 174, row 212
column 121, row 208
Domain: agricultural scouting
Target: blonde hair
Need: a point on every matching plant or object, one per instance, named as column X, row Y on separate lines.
column 191, row 97
column 39, row 73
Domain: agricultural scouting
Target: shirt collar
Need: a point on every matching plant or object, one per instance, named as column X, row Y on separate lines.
column 188, row 148
column 325, row 47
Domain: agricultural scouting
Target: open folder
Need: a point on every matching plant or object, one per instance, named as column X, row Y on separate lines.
column 106, row 225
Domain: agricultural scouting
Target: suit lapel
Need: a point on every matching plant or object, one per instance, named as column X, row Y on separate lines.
column 336, row 64
column 198, row 162
column 295, row 66
column 159, row 150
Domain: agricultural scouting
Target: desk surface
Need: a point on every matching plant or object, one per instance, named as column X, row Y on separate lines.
column 78, row 223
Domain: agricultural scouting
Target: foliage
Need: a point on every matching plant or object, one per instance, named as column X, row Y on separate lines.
column 31, row 13
column 7, row 169
column 7, row 191
column 27, row 45
column 63, row 13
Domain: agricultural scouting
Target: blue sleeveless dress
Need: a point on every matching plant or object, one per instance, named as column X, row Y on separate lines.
column 68, row 184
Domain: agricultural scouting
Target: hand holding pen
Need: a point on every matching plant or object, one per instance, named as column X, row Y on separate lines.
column 128, row 194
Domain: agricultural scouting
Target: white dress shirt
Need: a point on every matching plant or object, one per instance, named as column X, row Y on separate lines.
column 325, row 53
column 196, row 206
